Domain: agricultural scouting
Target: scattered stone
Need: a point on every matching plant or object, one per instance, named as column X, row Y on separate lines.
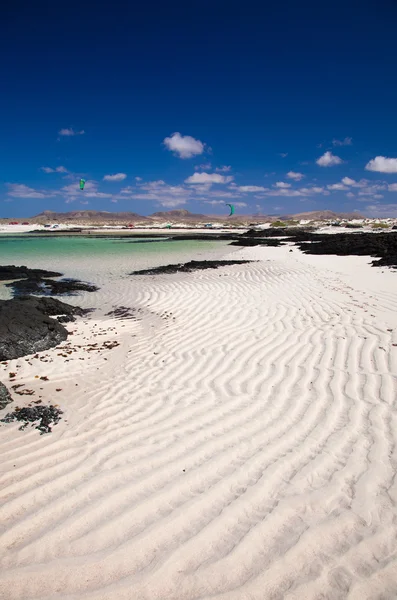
column 44, row 416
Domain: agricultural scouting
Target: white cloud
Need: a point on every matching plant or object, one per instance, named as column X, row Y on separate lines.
column 382, row 210
column 281, row 184
column 295, row 176
column 138, row 178
column 337, row 186
column 251, row 188
column 56, row 170
column 240, row 204
column 19, row 190
column 214, row 202
column 382, row 164
column 348, row 181
column 70, row 131
column 392, row 187
column 203, row 167
column 184, row 146
column 201, row 178
column 115, row 177
column 128, row 190
column 224, row 169
column 350, row 195
column 328, row 160
column 346, row 142
column 172, row 203
column 72, row 191
column 283, row 154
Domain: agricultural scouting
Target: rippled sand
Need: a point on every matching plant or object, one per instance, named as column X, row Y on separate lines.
column 239, row 443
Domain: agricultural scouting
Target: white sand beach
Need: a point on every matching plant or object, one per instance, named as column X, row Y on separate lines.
column 238, row 444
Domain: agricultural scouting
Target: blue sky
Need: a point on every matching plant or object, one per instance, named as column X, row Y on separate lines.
column 278, row 107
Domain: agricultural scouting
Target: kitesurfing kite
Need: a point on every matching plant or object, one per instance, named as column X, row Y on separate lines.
column 231, row 209
column 82, row 184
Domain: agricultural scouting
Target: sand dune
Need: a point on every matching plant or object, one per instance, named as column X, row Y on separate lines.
column 240, row 443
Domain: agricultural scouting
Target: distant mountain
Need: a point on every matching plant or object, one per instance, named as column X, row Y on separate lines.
column 94, row 217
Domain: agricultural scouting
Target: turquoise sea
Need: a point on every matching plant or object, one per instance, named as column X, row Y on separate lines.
column 100, row 260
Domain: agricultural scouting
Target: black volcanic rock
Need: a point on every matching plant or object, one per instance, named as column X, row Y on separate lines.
column 193, row 265
column 26, row 326
column 12, row 272
column 251, row 241
column 5, row 397
column 50, row 287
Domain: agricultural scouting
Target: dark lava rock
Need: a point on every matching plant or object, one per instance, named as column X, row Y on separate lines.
column 26, row 326
column 44, row 416
column 193, row 265
column 250, row 241
column 301, row 233
column 50, row 287
column 5, row 397
column 382, row 245
column 13, row 272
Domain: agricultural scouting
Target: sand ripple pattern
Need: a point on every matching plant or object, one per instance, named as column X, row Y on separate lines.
column 242, row 446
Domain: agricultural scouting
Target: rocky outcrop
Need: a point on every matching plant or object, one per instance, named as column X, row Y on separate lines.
column 13, row 272
column 5, row 397
column 193, row 265
column 36, row 281
column 26, row 326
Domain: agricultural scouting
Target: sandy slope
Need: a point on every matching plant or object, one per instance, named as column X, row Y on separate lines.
column 240, row 443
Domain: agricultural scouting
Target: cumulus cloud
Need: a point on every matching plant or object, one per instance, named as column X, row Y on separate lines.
column 382, row 164
column 202, row 178
column 184, row 146
column 283, row 154
column 346, row 142
column 172, row 202
column 70, row 132
column 328, row 160
column 295, row 176
column 56, row 170
column 90, row 191
column 392, row 187
column 348, row 181
column 19, row 190
column 115, row 177
column 281, row 184
column 350, row 195
column 224, row 169
column 138, row 178
column 203, row 167
column 382, row 210
column 251, row 188
column 337, row 187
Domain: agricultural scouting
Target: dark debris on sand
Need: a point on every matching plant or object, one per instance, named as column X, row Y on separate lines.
column 45, row 417
column 193, row 265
